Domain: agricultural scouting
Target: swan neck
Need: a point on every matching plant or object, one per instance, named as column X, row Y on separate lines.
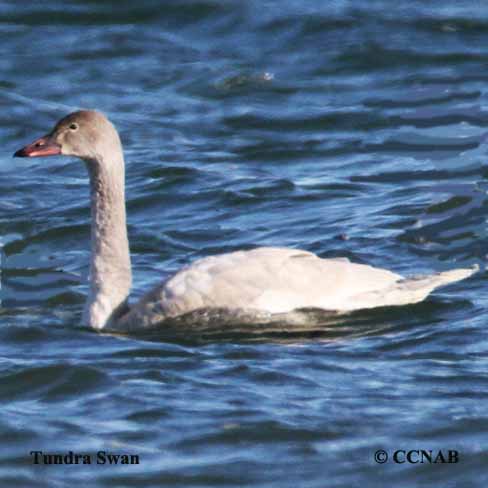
column 110, row 268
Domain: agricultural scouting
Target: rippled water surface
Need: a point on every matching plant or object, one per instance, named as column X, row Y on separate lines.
column 346, row 128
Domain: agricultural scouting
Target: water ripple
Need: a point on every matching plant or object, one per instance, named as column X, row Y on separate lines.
column 345, row 129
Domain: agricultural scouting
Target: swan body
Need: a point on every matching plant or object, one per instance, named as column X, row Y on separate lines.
column 270, row 281
column 258, row 283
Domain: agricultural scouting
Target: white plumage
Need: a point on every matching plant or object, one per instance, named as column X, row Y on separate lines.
column 256, row 284
column 270, row 280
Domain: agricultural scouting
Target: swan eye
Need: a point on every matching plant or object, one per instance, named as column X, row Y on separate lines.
column 73, row 126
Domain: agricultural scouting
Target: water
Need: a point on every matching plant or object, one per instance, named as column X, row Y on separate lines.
column 346, row 128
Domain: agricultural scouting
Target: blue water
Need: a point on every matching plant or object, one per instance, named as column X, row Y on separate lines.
column 345, row 128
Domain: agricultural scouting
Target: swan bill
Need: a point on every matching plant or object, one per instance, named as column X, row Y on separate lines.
column 44, row 146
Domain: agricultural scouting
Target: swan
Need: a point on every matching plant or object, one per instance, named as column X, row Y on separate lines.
column 258, row 283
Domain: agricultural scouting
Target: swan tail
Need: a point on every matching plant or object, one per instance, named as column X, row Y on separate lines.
column 411, row 290
column 445, row 278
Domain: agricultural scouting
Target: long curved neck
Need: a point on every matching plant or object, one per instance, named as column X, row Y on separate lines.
column 110, row 268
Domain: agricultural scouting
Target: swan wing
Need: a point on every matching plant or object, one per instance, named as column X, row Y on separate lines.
column 267, row 280
column 271, row 280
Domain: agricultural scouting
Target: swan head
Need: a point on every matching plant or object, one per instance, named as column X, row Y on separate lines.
column 86, row 134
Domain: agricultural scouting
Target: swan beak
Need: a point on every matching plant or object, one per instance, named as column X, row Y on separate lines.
column 44, row 146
